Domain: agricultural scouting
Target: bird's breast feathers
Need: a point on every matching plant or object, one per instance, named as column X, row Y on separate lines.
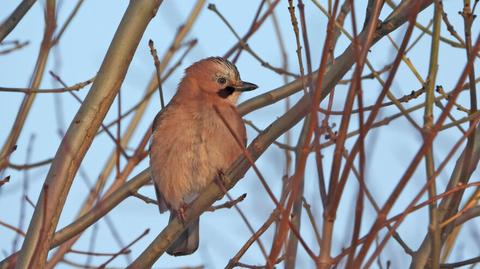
column 189, row 146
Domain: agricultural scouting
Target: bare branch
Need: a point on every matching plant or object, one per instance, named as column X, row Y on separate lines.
column 11, row 22
column 75, row 87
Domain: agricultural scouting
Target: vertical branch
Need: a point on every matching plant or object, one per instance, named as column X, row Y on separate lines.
column 434, row 229
column 325, row 122
column 468, row 18
column 37, row 248
column 156, row 61
column 357, row 219
column 293, row 18
column 293, row 206
column 296, row 215
column 357, row 85
column 344, row 10
column 118, row 138
column 469, row 160
column 284, row 55
column 291, row 248
column 288, row 135
column 336, row 186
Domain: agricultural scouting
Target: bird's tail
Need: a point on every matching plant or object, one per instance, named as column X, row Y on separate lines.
column 187, row 243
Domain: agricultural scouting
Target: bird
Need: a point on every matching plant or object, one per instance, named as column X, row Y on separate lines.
column 191, row 144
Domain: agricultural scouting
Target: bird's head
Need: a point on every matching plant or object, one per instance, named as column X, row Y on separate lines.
column 217, row 78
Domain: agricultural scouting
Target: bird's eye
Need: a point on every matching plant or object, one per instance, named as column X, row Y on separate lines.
column 221, row 80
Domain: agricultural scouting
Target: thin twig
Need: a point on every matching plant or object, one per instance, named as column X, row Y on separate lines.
column 109, row 134
column 29, row 201
column 13, row 228
column 254, row 27
column 67, row 22
column 146, row 97
column 461, row 263
column 89, row 253
column 4, row 180
column 29, row 165
column 233, row 261
column 125, row 250
column 16, row 46
column 308, row 209
column 144, row 198
column 156, row 61
column 280, row 145
column 75, row 87
column 246, row 47
column 228, row 204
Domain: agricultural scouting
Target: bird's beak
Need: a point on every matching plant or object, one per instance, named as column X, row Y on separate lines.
column 245, row 86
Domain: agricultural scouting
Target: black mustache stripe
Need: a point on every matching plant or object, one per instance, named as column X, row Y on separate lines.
column 226, row 92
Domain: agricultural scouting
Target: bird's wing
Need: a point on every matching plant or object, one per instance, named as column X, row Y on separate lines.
column 157, row 121
column 245, row 141
column 162, row 204
column 158, row 118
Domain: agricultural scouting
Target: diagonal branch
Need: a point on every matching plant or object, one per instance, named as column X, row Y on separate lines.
column 14, row 18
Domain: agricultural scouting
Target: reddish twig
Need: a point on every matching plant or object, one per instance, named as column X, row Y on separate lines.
column 125, row 250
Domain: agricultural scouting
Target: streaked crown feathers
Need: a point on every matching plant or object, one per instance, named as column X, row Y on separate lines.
column 221, row 63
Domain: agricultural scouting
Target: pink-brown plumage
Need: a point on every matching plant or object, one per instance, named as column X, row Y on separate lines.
column 190, row 142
